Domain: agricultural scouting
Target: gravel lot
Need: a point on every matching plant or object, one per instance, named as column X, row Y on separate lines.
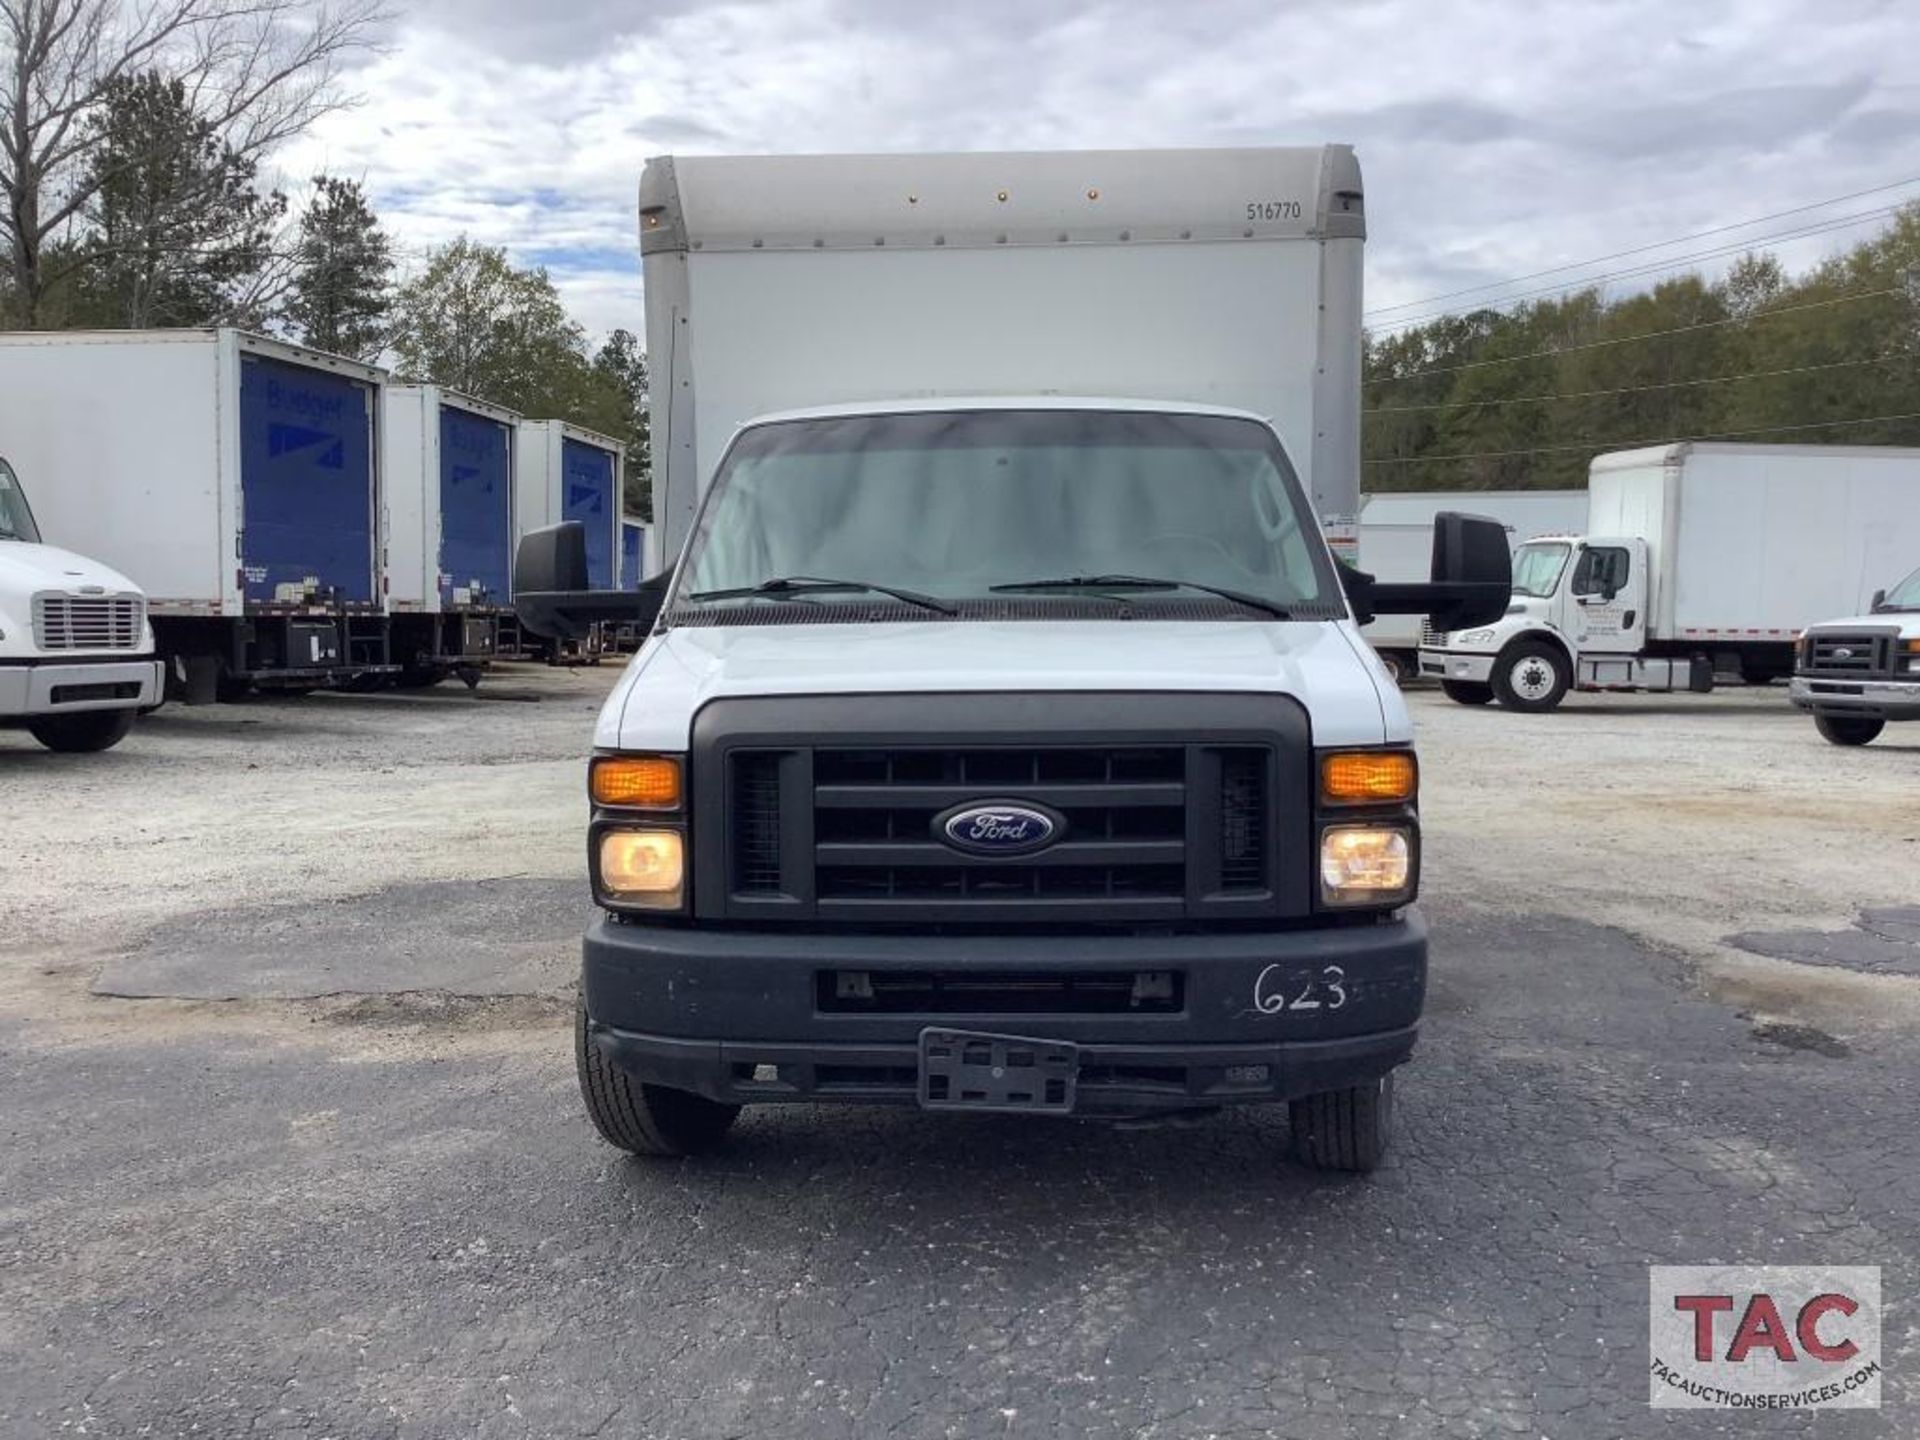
column 292, row 1144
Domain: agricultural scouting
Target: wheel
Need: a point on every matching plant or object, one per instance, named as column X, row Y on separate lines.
column 1343, row 1129
column 1848, row 729
column 83, row 732
column 1467, row 692
column 1531, row 675
column 645, row 1119
column 1398, row 670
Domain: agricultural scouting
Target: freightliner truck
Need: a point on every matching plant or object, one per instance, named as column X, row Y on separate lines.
column 994, row 747
column 76, row 652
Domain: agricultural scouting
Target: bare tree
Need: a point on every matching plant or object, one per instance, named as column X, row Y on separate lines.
column 260, row 71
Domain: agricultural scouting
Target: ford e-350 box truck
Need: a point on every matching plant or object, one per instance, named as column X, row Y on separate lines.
column 1004, row 739
column 233, row 478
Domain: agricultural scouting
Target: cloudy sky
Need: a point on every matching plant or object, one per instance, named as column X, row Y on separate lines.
column 1497, row 139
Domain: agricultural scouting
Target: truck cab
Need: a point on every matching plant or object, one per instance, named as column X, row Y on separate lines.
column 76, row 653
column 1857, row 674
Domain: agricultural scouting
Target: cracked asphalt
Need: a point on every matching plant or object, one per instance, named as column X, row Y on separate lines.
column 369, row 1204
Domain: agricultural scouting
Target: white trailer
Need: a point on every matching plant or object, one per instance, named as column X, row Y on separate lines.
column 233, row 478
column 563, row 472
column 1695, row 559
column 1396, row 546
column 1223, row 277
column 448, row 464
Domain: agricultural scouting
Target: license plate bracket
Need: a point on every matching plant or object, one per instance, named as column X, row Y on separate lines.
column 974, row 1070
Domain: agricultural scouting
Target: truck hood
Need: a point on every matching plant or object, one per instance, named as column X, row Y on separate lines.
column 26, row 569
column 1907, row 622
column 1324, row 664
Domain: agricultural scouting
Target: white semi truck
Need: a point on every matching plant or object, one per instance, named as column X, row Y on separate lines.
column 76, row 653
column 1696, row 559
column 1396, row 545
column 1003, row 739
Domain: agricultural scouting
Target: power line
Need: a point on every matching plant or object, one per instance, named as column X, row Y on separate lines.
column 1632, row 389
column 1657, row 267
column 1635, row 339
column 1643, row 249
column 1637, row 444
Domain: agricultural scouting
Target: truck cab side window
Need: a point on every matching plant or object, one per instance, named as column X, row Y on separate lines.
column 1602, row 571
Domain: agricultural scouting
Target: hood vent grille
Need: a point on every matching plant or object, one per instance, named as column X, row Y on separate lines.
column 88, row 622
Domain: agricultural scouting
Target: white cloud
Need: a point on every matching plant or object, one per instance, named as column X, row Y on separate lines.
column 1498, row 138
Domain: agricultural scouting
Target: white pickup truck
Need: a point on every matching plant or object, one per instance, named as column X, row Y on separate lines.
column 1857, row 674
column 76, row 652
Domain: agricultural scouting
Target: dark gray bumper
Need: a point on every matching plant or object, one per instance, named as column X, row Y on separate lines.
column 739, row 1015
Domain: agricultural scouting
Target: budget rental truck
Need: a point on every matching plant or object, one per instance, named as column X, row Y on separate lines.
column 76, row 652
column 233, row 478
column 448, row 465
column 1695, row 559
column 1003, row 739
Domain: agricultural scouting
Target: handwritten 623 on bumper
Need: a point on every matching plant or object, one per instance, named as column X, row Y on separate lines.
column 1764, row 1337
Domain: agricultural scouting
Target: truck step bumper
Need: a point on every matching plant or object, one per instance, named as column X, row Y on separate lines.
column 64, row 687
column 1114, row 1079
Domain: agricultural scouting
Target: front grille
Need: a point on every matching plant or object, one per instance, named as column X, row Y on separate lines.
column 1125, row 812
column 755, row 828
column 1430, row 638
column 88, row 622
column 1853, row 654
column 1243, row 820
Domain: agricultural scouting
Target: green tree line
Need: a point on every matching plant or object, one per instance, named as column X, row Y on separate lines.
column 1526, row 397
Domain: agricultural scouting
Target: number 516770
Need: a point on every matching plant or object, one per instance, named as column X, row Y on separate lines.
column 1273, row 210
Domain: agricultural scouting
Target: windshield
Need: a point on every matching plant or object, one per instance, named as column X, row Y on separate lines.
column 16, row 521
column 1905, row 595
column 978, row 505
column 1537, row 567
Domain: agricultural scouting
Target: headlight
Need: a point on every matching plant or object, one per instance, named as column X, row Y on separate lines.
column 642, row 868
column 1474, row 637
column 1366, row 864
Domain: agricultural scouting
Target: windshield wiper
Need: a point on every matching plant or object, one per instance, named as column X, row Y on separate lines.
column 793, row 587
column 1149, row 582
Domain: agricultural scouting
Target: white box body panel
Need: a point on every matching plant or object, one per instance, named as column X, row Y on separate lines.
column 1755, row 542
column 133, row 440
column 1214, row 277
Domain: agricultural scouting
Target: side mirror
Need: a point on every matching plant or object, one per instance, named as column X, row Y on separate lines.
column 1879, row 599
column 550, row 593
column 1472, row 578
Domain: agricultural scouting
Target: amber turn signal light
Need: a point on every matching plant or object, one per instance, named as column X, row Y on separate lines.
column 1368, row 777
column 635, row 782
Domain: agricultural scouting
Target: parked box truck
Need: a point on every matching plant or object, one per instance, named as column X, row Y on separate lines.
column 1695, row 559
column 636, row 556
column 77, row 661
column 563, row 472
column 1396, row 545
column 233, row 478
column 1003, row 740
column 448, row 463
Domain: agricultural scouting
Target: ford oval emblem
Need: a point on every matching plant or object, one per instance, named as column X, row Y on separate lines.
column 1843, row 652
column 999, row 827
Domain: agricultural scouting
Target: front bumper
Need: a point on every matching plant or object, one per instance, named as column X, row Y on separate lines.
column 1469, row 665
column 745, row 1016
column 60, row 687
column 1887, row 699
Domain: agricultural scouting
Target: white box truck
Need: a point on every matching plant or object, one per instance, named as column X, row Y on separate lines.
column 1396, row 545
column 1695, row 558
column 564, row 472
column 636, row 554
column 1002, row 751
column 76, row 651
column 233, row 478
column 447, row 461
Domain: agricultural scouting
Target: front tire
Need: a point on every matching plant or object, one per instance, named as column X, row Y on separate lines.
column 1531, row 676
column 1848, row 729
column 85, row 732
column 1467, row 692
column 644, row 1119
column 1343, row 1130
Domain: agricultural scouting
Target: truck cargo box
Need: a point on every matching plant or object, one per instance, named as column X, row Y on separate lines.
column 449, row 464
column 226, row 474
column 1759, row 541
column 1226, row 277
column 563, row 472
column 636, row 556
